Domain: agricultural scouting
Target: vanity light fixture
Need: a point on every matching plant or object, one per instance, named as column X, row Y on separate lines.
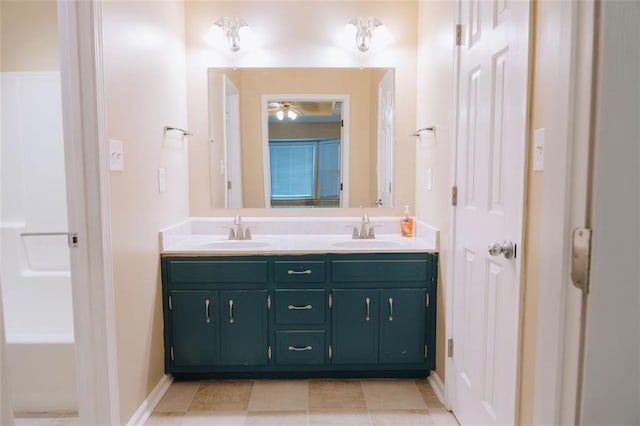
column 231, row 27
column 365, row 28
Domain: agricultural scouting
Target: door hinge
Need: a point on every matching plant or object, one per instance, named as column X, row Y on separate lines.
column 458, row 34
column 173, row 358
column 450, row 348
column 268, row 301
column 427, row 301
column 341, row 123
column 454, row 196
column 426, row 351
column 341, row 186
column 170, row 303
column 228, row 184
column 330, row 300
column 330, row 352
column 581, row 258
column 73, row 239
column 269, row 352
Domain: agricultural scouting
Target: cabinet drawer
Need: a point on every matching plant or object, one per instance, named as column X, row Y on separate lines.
column 300, row 306
column 212, row 271
column 299, row 271
column 379, row 270
column 300, row 347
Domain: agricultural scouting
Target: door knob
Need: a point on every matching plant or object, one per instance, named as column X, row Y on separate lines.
column 506, row 249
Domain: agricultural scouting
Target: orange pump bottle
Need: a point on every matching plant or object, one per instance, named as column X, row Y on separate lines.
column 406, row 223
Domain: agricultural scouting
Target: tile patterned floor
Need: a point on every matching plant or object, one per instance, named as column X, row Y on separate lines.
column 331, row 402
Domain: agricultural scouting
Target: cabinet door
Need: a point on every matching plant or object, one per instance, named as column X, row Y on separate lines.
column 402, row 325
column 195, row 327
column 243, row 317
column 355, row 326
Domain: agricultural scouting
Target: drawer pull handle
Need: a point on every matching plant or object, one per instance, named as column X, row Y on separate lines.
column 295, row 349
column 299, row 308
column 206, row 311
column 231, row 320
column 391, row 309
column 305, row 272
column 367, row 301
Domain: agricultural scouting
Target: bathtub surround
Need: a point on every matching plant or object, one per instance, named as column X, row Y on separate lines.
column 35, row 268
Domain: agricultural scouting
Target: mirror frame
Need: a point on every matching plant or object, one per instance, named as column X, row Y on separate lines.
column 344, row 149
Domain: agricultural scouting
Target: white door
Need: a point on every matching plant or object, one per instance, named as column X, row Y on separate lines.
column 385, row 140
column 233, row 169
column 491, row 126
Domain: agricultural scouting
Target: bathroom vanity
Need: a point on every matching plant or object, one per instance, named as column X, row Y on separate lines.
column 275, row 307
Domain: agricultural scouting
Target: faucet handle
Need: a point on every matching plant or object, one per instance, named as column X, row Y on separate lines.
column 371, row 235
column 247, row 233
column 232, row 234
column 355, row 234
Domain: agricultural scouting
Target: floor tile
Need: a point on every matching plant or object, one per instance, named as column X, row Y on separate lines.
column 392, row 394
column 224, row 395
column 400, row 417
column 276, row 418
column 279, row 395
column 331, row 395
column 442, row 417
column 218, row 418
column 339, row 418
column 165, row 419
column 178, row 398
column 428, row 395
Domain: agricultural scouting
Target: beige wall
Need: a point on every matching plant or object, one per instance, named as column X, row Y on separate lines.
column 435, row 107
column 29, row 39
column 144, row 70
column 301, row 34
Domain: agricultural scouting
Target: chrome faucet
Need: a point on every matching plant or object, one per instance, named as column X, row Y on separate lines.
column 239, row 233
column 366, row 229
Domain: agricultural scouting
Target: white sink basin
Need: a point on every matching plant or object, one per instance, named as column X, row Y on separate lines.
column 365, row 244
column 235, row 244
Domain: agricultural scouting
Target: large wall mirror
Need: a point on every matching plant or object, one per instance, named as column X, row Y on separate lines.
column 302, row 137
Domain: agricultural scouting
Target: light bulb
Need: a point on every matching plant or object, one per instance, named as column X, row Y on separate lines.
column 292, row 115
column 280, row 115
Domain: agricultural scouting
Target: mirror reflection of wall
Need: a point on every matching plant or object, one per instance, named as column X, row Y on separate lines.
column 358, row 166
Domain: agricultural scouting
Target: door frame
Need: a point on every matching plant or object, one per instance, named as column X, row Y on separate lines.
column 568, row 121
column 344, row 138
column 86, row 159
column 231, row 132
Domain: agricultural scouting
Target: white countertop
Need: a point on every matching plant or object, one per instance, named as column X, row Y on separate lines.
column 275, row 236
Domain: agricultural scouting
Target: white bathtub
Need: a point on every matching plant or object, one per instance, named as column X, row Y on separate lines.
column 38, row 318
column 34, row 270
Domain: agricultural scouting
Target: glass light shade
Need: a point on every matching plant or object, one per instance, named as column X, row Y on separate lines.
column 280, row 115
column 292, row 115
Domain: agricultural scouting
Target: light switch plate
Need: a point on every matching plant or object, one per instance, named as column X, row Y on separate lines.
column 538, row 150
column 116, row 156
column 162, row 184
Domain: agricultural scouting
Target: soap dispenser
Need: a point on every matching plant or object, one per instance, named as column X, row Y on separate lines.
column 406, row 223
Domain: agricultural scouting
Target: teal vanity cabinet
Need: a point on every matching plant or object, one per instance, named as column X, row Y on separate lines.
column 215, row 314
column 382, row 310
column 330, row 315
column 300, row 332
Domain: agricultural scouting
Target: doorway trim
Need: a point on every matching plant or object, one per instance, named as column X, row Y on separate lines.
column 80, row 32
column 557, row 393
column 344, row 141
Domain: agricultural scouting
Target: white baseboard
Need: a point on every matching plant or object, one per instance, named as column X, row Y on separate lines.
column 438, row 387
column 146, row 408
